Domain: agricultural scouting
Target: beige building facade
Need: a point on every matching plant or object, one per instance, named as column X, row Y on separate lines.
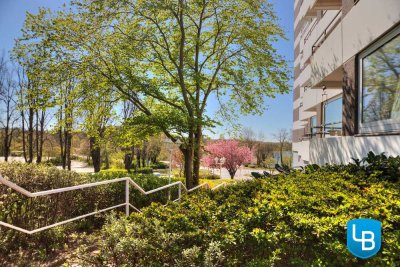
column 346, row 93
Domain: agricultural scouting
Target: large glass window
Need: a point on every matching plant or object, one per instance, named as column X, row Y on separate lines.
column 380, row 85
column 333, row 117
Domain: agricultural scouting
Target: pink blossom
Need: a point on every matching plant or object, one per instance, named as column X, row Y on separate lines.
column 233, row 154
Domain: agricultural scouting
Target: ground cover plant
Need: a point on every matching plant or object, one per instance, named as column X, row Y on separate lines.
column 294, row 220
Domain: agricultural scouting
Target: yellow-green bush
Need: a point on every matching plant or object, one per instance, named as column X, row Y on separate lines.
column 295, row 220
column 33, row 213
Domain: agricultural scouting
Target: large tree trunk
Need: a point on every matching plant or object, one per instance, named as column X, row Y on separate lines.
column 128, row 161
column 95, row 154
column 188, row 161
column 197, row 155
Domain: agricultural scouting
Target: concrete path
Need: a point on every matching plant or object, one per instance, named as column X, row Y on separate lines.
column 76, row 165
column 241, row 174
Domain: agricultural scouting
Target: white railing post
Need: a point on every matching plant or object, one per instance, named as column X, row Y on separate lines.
column 179, row 192
column 127, row 197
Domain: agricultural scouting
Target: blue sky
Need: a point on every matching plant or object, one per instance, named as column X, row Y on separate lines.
column 279, row 112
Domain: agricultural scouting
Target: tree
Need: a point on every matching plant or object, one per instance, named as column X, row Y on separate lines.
column 233, row 154
column 249, row 137
column 177, row 160
column 170, row 57
column 283, row 137
column 97, row 109
column 36, row 79
column 8, row 106
column 154, row 148
column 263, row 150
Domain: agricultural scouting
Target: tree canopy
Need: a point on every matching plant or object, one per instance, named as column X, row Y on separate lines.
column 169, row 58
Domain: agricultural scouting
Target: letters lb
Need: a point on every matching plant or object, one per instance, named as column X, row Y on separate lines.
column 364, row 237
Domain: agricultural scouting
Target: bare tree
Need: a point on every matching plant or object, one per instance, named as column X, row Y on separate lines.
column 249, row 137
column 261, row 136
column 283, row 137
column 8, row 103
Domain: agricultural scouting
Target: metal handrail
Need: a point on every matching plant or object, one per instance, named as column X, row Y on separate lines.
column 127, row 204
column 321, row 38
column 313, row 26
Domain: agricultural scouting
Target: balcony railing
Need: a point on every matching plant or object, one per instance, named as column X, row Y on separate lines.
column 329, row 28
column 324, row 130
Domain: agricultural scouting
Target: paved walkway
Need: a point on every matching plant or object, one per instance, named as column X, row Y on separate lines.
column 76, row 165
column 241, row 174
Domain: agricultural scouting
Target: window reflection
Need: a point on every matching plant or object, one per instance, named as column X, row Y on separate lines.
column 333, row 117
column 381, row 83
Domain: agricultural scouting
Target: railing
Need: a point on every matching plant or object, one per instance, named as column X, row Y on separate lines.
column 313, row 26
column 128, row 181
column 322, row 130
column 326, row 32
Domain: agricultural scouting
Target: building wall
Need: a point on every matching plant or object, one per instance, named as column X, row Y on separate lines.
column 359, row 27
column 326, row 47
column 343, row 149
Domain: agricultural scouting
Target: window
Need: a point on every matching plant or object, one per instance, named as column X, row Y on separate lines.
column 332, row 125
column 379, row 107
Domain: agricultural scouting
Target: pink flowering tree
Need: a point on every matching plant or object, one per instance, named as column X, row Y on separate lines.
column 230, row 151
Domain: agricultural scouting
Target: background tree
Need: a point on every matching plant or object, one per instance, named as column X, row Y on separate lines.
column 36, row 80
column 8, row 106
column 263, row 150
column 178, row 160
column 283, row 137
column 248, row 136
column 97, row 109
column 234, row 155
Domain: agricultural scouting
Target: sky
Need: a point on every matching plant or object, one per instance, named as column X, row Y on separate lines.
column 279, row 110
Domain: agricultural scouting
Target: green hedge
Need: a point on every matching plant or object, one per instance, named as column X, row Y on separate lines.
column 295, row 220
column 32, row 213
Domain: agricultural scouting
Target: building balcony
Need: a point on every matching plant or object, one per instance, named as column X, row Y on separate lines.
column 346, row 36
column 319, row 5
column 305, row 115
column 304, row 77
column 314, row 97
column 310, row 8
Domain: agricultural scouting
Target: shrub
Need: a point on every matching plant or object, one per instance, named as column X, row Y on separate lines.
column 206, row 174
column 370, row 167
column 294, row 220
column 53, row 161
column 160, row 166
column 32, row 213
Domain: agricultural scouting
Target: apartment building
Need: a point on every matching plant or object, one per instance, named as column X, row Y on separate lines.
column 346, row 95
